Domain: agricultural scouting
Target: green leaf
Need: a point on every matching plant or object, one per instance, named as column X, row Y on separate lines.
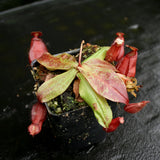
column 63, row 61
column 100, row 54
column 56, row 86
column 103, row 79
column 99, row 105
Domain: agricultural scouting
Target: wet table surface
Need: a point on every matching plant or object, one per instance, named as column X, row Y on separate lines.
column 64, row 24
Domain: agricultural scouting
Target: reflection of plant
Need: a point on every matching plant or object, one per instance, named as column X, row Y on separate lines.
column 107, row 74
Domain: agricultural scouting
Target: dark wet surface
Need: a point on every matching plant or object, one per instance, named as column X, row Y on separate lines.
column 9, row 4
column 64, row 24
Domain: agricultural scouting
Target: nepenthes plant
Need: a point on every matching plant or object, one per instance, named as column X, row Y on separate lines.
column 108, row 74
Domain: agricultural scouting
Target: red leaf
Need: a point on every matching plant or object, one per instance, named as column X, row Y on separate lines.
column 114, row 124
column 63, row 61
column 100, row 64
column 38, row 116
column 135, row 107
column 103, row 79
column 127, row 64
column 116, row 50
column 37, row 47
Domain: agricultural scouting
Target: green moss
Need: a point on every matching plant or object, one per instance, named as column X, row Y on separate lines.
column 65, row 102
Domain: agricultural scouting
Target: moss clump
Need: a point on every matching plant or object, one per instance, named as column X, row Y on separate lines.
column 65, row 102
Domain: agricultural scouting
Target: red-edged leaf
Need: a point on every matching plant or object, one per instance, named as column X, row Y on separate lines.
column 55, row 86
column 104, row 80
column 99, row 105
column 62, row 62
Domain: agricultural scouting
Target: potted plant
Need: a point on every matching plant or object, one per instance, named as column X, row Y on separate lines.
column 75, row 89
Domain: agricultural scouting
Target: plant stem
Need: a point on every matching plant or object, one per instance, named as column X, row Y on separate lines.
column 80, row 53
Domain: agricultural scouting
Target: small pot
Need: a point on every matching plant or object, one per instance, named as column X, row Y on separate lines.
column 75, row 129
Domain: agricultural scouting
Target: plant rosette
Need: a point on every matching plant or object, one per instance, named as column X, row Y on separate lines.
column 65, row 84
